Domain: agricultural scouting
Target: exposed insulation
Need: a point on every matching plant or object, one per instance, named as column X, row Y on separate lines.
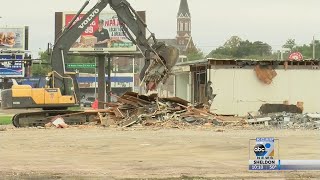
column 265, row 74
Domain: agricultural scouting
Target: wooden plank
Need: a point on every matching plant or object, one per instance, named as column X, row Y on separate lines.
column 137, row 99
column 98, row 111
column 128, row 102
column 118, row 113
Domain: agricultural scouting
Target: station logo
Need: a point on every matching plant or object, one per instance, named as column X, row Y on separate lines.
column 264, row 148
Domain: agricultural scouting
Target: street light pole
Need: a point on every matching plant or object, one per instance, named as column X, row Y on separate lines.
column 314, row 49
column 95, row 78
column 133, row 61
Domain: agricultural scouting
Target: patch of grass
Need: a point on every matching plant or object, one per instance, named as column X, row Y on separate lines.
column 5, row 120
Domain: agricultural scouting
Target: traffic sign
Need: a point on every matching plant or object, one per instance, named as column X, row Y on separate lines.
column 80, row 65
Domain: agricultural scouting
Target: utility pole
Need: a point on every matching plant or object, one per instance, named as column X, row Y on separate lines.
column 109, row 79
column 133, row 66
column 95, row 78
column 314, row 49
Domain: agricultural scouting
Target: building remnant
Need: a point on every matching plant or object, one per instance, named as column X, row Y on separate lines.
column 238, row 88
column 276, row 108
column 265, row 74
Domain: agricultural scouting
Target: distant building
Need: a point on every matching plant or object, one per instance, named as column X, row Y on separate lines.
column 183, row 40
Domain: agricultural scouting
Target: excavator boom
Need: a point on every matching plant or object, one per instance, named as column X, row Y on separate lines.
column 159, row 57
column 62, row 90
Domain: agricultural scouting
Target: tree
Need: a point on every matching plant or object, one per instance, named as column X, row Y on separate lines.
column 233, row 42
column 44, row 68
column 195, row 54
column 235, row 47
column 307, row 50
column 290, row 44
column 262, row 49
column 244, row 49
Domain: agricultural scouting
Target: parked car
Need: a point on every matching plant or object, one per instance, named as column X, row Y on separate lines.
column 88, row 102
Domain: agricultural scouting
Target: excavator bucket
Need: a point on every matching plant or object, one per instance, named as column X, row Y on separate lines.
column 158, row 69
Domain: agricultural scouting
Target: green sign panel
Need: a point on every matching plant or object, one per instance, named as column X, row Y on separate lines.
column 79, row 66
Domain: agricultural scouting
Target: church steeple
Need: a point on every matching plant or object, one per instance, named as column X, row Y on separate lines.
column 183, row 24
column 184, row 9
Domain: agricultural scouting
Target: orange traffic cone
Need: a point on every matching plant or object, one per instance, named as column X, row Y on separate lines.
column 95, row 104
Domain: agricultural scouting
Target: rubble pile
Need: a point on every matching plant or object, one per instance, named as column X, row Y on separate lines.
column 152, row 110
column 58, row 122
column 287, row 120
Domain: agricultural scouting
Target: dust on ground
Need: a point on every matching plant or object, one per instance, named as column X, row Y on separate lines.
column 105, row 153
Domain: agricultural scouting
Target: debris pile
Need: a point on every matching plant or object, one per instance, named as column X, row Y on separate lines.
column 152, row 110
column 58, row 122
column 287, row 120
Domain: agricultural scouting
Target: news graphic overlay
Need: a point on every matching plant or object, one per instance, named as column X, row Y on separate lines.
column 264, row 148
column 299, row 165
column 262, row 155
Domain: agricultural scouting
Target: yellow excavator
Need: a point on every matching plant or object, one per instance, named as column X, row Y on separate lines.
column 61, row 89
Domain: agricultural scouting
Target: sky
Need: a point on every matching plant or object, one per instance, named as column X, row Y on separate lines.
column 213, row 21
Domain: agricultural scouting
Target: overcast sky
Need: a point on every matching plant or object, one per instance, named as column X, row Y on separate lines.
column 213, row 21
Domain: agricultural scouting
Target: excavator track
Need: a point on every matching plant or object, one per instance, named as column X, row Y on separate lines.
column 40, row 118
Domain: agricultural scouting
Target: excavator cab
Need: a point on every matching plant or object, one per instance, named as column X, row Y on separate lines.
column 67, row 85
column 47, row 97
column 55, row 78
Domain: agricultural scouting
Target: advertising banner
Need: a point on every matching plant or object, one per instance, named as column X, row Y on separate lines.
column 10, row 68
column 103, row 34
column 12, row 38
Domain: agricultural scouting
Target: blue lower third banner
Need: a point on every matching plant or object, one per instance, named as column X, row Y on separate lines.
column 11, row 68
column 291, row 165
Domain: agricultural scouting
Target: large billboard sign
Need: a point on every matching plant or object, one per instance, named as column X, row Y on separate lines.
column 11, row 68
column 13, row 38
column 103, row 34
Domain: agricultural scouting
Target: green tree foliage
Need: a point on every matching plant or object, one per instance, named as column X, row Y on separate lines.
column 306, row 49
column 290, row 44
column 233, row 42
column 235, row 47
column 44, row 68
column 195, row 54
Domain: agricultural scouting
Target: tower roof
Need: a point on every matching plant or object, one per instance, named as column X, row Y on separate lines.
column 184, row 9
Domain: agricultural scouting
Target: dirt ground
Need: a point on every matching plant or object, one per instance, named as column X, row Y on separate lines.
column 102, row 153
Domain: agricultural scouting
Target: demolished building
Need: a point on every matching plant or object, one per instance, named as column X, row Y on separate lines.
column 244, row 86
